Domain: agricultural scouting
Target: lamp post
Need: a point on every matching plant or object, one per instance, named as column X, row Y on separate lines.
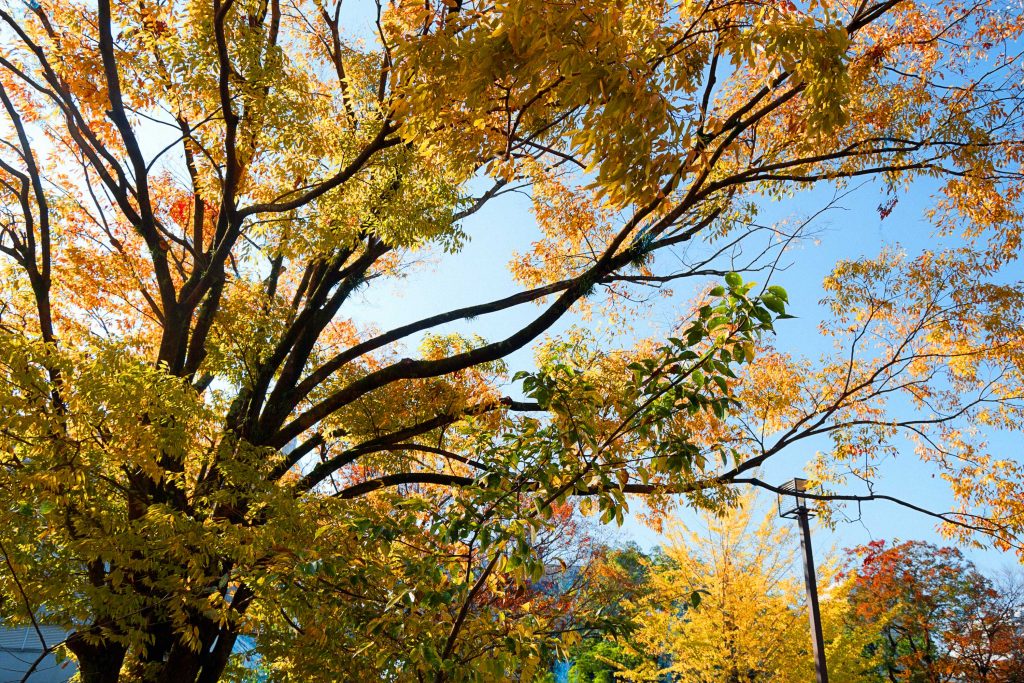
column 793, row 505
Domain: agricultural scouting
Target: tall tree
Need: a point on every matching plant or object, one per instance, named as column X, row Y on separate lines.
column 199, row 437
column 726, row 607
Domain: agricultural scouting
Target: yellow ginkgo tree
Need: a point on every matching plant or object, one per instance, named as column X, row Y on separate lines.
column 725, row 604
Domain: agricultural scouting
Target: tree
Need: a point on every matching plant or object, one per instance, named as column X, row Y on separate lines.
column 746, row 622
column 615, row 582
column 200, row 440
column 602, row 662
column 940, row 619
column 990, row 646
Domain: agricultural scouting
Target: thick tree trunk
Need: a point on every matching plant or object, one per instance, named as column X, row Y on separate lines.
column 217, row 660
column 167, row 659
column 99, row 663
column 185, row 664
column 217, row 653
column 182, row 665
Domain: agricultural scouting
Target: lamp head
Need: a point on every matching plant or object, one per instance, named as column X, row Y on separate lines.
column 793, row 498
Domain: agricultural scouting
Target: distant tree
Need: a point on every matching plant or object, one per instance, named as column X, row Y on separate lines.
column 746, row 621
column 940, row 620
column 615, row 581
column 601, row 662
column 991, row 647
column 617, row 578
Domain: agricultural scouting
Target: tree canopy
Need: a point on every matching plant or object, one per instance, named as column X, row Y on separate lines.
column 201, row 439
column 725, row 605
column 939, row 618
column 907, row 612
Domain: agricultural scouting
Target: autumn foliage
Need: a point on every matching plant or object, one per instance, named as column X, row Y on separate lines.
column 939, row 618
column 722, row 604
column 203, row 436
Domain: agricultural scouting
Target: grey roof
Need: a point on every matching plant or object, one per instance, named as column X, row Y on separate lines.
column 20, row 648
column 26, row 639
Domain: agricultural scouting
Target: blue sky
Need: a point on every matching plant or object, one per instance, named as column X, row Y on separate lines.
column 854, row 228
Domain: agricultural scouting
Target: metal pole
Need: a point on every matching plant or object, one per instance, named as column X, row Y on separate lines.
column 817, row 641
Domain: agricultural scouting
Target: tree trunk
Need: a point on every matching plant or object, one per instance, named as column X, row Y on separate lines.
column 97, row 663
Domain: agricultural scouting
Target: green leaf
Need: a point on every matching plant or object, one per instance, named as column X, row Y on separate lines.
column 773, row 303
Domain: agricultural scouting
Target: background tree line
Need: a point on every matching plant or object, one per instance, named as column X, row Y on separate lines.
column 908, row 612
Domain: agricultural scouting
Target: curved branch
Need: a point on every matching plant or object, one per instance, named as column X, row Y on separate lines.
column 381, row 443
column 390, row 480
column 379, row 143
column 946, row 517
column 318, row 376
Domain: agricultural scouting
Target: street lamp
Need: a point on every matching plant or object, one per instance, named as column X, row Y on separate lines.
column 793, row 505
